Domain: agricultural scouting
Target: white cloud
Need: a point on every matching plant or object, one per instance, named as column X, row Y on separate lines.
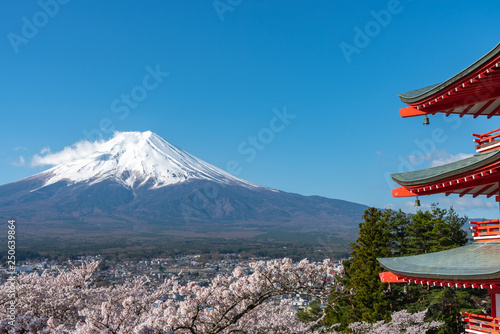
column 444, row 158
column 20, row 162
column 435, row 158
column 44, row 150
column 20, row 148
column 69, row 153
column 417, row 160
column 467, row 203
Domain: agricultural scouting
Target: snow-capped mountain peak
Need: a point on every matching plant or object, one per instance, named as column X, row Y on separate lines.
column 136, row 159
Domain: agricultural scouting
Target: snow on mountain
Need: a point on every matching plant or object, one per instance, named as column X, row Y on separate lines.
column 136, row 159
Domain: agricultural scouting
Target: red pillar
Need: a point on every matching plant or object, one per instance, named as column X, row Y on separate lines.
column 495, row 302
column 493, row 305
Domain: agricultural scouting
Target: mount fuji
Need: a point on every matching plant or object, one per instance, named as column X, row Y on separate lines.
column 138, row 159
column 138, row 184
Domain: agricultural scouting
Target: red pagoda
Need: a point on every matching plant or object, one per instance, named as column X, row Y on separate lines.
column 475, row 91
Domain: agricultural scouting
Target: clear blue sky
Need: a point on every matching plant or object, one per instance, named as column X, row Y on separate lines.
column 68, row 69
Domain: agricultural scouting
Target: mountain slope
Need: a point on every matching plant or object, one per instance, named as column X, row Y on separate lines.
column 137, row 183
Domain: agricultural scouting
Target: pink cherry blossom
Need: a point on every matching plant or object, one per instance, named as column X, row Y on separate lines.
column 68, row 302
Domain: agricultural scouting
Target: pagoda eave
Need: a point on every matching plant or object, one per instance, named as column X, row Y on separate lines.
column 487, row 108
column 403, row 192
column 479, row 261
column 459, row 187
column 474, row 91
column 477, row 175
column 390, row 277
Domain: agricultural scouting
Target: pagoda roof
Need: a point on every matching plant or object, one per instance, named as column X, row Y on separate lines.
column 477, row 175
column 438, row 173
column 474, row 91
column 473, row 262
column 422, row 93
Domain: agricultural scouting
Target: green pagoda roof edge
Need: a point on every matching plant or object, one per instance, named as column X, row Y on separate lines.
column 438, row 173
column 476, row 261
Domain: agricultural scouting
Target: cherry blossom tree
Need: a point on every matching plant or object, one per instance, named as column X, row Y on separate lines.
column 401, row 322
column 69, row 302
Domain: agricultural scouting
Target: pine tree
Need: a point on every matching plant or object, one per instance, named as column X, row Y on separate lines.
column 362, row 296
column 373, row 241
column 433, row 231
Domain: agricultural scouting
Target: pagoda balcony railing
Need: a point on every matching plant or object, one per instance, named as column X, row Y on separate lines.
column 487, row 230
column 479, row 323
column 487, row 141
